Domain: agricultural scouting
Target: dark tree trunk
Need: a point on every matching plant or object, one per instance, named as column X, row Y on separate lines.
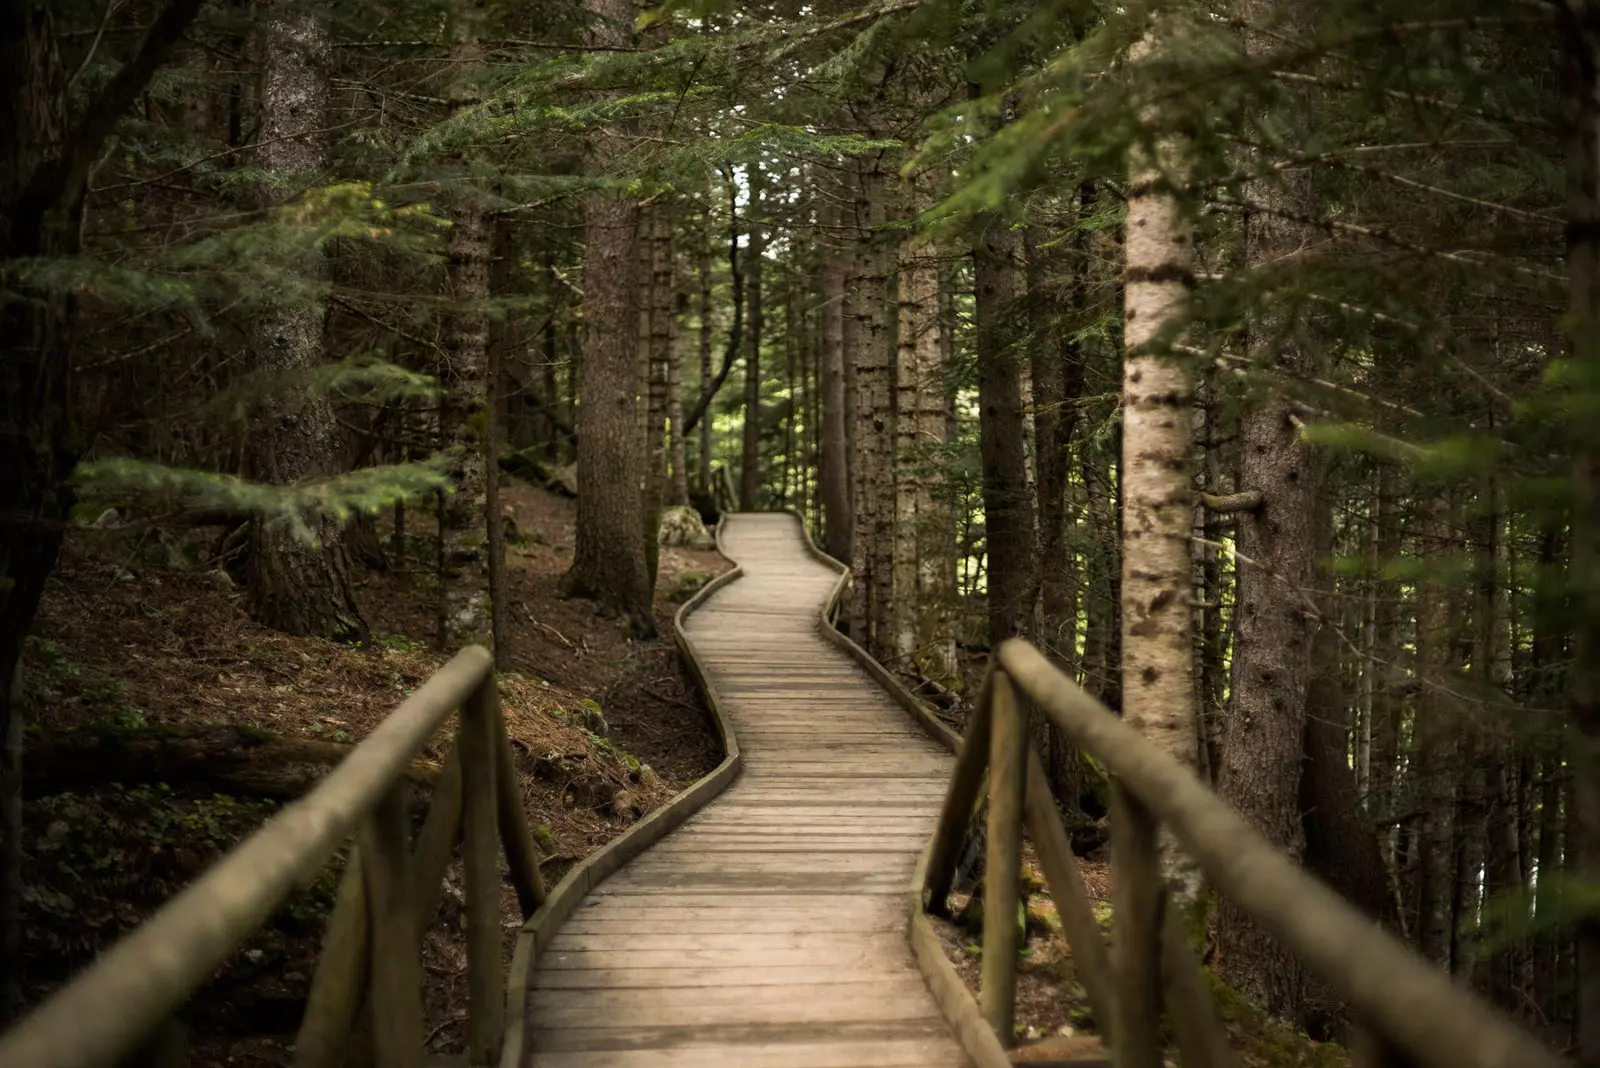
column 833, row 476
column 1008, row 515
column 1434, row 745
column 295, row 585
column 45, row 157
column 750, row 464
column 1058, row 367
column 609, row 563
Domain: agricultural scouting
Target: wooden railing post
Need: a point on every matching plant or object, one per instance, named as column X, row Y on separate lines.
column 1137, row 895
column 1091, row 962
column 522, row 856
column 1196, row 1025
column 480, row 861
column 966, row 782
column 1008, row 749
column 396, row 966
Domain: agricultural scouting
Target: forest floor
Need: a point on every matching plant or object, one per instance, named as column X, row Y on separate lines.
column 140, row 631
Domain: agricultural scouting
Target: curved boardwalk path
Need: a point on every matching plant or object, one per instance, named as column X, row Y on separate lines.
column 769, row 930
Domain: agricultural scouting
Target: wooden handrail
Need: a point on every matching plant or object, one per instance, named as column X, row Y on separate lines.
column 381, row 909
column 1394, row 991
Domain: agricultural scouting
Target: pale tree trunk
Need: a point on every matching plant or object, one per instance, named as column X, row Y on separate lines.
column 750, row 464
column 1002, row 433
column 294, row 586
column 925, row 634
column 871, row 355
column 608, row 562
column 833, row 475
column 1157, row 398
column 1277, row 554
column 1582, row 56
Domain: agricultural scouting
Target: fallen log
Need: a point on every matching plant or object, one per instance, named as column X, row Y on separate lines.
column 226, row 759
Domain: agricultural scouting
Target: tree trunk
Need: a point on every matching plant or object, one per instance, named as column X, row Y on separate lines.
column 1277, row 553
column 45, row 159
column 296, row 586
column 872, row 357
column 1434, row 746
column 702, row 478
column 1058, row 365
column 750, row 464
column 493, row 437
column 657, row 229
column 609, row 563
column 923, row 603
column 1002, row 440
column 1157, row 397
column 833, row 475
column 678, row 484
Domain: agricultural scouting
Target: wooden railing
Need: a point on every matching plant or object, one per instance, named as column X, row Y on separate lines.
column 368, row 984
column 1405, row 1003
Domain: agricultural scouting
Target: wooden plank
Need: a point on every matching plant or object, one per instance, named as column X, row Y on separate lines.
column 762, row 1033
column 887, row 942
column 903, row 1053
column 612, row 978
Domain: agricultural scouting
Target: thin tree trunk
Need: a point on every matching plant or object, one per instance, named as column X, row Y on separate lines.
column 658, row 344
column 750, row 464
column 493, row 434
column 703, row 473
column 1433, row 748
column 1058, row 367
column 609, row 562
column 833, row 475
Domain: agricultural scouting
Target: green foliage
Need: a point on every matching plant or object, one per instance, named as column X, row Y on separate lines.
column 162, row 489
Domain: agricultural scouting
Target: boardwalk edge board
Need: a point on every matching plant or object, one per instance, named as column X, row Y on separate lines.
column 960, row 1008
column 536, row 935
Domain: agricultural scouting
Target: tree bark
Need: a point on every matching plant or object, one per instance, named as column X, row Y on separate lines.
column 872, row 356
column 295, row 586
column 609, row 563
column 1434, row 747
column 1157, row 398
column 750, row 463
column 702, row 478
column 833, row 475
column 923, row 603
column 1057, row 372
column 1002, row 440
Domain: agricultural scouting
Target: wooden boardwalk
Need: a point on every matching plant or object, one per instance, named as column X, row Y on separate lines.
column 769, row 930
